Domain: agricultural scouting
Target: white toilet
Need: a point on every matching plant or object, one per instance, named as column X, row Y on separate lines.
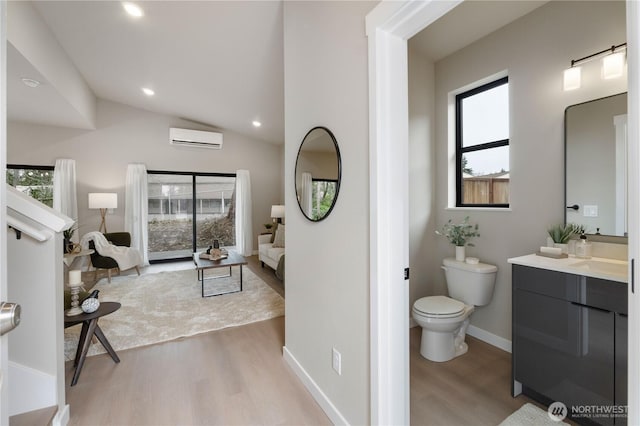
column 444, row 320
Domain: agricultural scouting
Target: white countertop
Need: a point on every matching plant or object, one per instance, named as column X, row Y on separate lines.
column 596, row 267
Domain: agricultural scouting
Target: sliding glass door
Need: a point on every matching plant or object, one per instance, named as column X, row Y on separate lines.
column 187, row 211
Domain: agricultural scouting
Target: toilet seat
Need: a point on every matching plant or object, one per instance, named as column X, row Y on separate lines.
column 439, row 307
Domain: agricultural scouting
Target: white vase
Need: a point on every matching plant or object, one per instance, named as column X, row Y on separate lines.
column 460, row 255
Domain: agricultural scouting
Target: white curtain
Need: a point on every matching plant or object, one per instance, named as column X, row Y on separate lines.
column 64, row 188
column 244, row 228
column 307, row 194
column 136, row 209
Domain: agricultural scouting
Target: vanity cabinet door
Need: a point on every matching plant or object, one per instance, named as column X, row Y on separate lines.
column 564, row 350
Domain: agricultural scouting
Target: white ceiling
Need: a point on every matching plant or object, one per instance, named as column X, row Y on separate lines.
column 468, row 22
column 219, row 63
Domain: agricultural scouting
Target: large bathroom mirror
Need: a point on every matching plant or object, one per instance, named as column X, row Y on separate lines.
column 318, row 172
column 596, row 165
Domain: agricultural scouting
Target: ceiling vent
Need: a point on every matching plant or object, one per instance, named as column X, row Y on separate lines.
column 195, row 138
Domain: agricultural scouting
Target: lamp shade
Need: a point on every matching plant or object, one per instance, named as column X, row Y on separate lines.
column 103, row 200
column 572, row 78
column 613, row 65
column 277, row 211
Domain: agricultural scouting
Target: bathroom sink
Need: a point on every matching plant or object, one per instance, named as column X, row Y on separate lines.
column 616, row 268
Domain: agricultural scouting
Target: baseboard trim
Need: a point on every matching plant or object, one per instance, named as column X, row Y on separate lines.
column 62, row 417
column 325, row 403
column 490, row 338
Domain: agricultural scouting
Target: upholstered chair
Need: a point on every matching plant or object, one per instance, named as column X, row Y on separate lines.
column 103, row 262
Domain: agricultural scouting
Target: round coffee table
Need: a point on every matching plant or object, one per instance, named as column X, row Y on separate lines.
column 89, row 329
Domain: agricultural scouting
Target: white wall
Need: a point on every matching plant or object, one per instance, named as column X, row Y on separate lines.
column 422, row 188
column 128, row 135
column 328, row 262
column 534, row 49
column 36, row 346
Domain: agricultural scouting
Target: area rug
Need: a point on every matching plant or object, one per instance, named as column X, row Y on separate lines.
column 168, row 305
column 529, row 415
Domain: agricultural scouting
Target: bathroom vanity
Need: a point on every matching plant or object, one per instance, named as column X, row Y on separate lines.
column 570, row 334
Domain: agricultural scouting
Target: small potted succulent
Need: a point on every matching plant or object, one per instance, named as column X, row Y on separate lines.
column 559, row 235
column 459, row 235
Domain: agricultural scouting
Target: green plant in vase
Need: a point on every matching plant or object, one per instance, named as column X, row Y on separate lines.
column 67, row 234
column 459, row 235
column 560, row 234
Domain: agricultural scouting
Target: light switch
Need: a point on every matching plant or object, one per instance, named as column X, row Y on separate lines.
column 590, row 211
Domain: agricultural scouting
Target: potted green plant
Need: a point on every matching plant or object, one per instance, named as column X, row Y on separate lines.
column 459, row 235
column 560, row 234
column 67, row 234
column 268, row 226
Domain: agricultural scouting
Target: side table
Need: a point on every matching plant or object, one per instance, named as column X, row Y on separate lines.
column 70, row 258
column 89, row 329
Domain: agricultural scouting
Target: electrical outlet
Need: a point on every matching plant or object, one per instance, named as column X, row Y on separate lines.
column 336, row 361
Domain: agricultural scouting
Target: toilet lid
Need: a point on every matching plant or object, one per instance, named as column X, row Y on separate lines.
column 439, row 306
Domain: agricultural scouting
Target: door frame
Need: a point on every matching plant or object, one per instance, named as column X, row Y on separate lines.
column 633, row 182
column 388, row 27
column 4, row 349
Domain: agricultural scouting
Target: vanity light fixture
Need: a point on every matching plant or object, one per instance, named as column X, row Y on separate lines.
column 612, row 65
column 572, row 78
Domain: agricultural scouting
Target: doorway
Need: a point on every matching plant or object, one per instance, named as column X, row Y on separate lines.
column 388, row 28
column 188, row 211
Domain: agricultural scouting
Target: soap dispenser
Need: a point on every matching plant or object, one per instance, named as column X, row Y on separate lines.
column 583, row 247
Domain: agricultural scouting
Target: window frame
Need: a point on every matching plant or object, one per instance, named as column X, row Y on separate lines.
column 337, row 186
column 460, row 150
column 33, row 167
column 193, row 176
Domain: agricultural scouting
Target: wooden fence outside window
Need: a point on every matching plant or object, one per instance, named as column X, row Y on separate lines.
column 486, row 190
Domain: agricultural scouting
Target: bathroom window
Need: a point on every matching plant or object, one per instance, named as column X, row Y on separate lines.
column 482, row 146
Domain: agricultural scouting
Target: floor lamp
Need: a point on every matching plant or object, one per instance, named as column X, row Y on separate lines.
column 103, row 201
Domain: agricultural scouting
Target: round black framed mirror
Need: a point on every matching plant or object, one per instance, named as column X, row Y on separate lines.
column 318, row 172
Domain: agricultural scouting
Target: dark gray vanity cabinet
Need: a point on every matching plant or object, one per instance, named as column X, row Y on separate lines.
column 570, row 338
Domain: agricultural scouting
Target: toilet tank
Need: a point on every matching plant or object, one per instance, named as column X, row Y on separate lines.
column 469, row 283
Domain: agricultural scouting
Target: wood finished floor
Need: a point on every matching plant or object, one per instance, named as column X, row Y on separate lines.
column 473, row 389
column 235, row 376
column 238, row 376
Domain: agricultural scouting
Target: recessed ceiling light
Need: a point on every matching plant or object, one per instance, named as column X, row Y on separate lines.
column 256, row 123
column 133, row 10
column 31, row 82
column 148, row 91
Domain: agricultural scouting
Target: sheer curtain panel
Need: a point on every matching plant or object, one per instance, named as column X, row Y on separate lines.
column 136, row 209
column 307, row 193
column 244, row 228
column 64, row 188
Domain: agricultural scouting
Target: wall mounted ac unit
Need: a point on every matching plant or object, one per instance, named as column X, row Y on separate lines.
column 195, row 138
